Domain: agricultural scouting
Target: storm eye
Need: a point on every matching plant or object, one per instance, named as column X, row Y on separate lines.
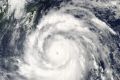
column 59, row 50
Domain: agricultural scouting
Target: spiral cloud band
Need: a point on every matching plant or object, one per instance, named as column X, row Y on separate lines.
column 67, row 42
column 64, row 47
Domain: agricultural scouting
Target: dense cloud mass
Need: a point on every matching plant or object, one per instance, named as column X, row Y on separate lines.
column 59, row 40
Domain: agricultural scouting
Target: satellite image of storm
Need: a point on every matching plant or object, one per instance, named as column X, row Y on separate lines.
column 59, row 39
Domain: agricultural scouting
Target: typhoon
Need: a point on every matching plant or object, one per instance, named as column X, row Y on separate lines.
column 59, row 40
